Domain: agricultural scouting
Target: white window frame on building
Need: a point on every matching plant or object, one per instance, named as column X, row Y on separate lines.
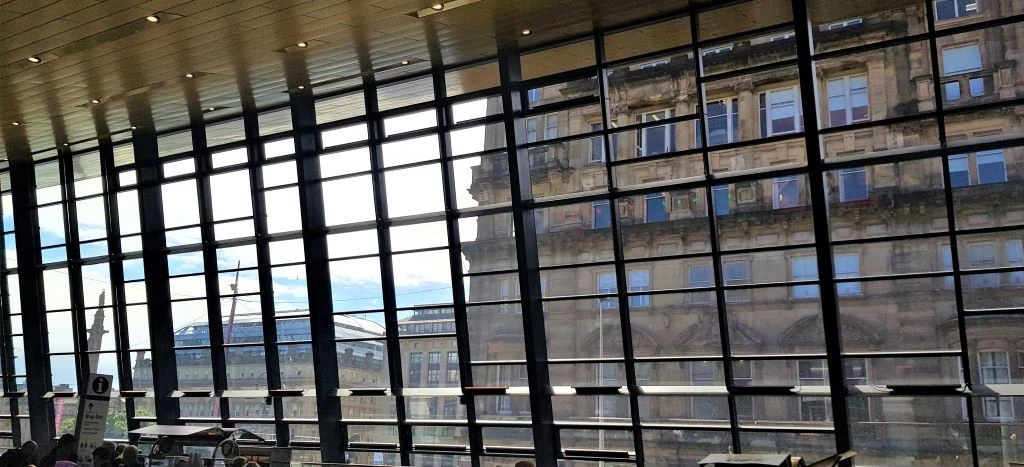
column 668, row 132
column 859, row 174
column 703, row 297
column 982, row 255
column 971, row 51
column 847, row 265
column 647, row 207
column 845, row 94
column 729, row 112
column 810, row 404
column 716, row 50
column 597, row 151
column 946, row 259
column 972, row 164
column 803, row 268
column 728, row 270
column 1015, row 259
column 606, row 285
column 844, row 23
column 717, row 191
column 534, row 94
column 594, row 217
column 549, row 129
column 994, row 368
column 769, row 107
column 779, row 201
column 639, row 281
column 700, row 378
column 969, row 7
column 743, row 376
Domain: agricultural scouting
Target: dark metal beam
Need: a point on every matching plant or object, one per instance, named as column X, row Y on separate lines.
column 819, row 207
column 158, row 292
column 547, row 447
column 318, row 278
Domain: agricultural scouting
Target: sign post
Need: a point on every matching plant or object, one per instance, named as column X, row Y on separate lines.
column 91, row 424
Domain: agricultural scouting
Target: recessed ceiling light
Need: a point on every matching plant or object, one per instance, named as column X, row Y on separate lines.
column 301, row 87
column 526, row 32
column 153, row 19
column 211, row 109
column 95, row 101
column 189, row 75
column 135, row 128
column 405, row 62
column 65, row 144
column 302, row 45
column 437, row 6
column 34, row 59
column 16, row 123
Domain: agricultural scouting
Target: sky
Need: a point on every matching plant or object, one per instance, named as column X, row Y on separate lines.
column 420, row 278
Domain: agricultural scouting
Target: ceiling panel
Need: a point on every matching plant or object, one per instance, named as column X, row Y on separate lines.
column 246, row 51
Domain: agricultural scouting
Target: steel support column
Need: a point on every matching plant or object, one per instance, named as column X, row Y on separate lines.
column 375, row 126
column 822, row 234
column 158, row 291
column 318, row 278
column 26, row 223
column 547, row 447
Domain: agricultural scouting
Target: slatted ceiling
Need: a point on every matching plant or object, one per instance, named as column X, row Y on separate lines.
column 743, row 17
column 829, row 11
column 558, row 59
column 86, row 166
column 228, row 36
column 47, row 174
column 639, row 41
column 476, row 78
column 124, row 154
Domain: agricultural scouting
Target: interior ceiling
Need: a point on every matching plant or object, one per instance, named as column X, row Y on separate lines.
column 241, row 51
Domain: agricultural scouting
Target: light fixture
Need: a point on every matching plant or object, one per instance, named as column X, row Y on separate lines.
column 95, row 101
column 437, row 6
column 190, row 75
column 135, row 128
column 405, row 62
column 16, row 123
column 153, row 19
column 34, row 59
column 526, row 32
column 65, row 144
column 301, row 87
column 302, row 45
column 211, row 109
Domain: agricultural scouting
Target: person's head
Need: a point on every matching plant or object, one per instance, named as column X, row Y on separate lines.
column 29, row 448
column 67, row 439
column 524, row 464
column 12, row 458
column 239, row 462
column 109, row 445
column 131, row 454
column 119, row 450
column 100, row 454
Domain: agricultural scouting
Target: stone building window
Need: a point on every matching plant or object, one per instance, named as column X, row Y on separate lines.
column 951, row 9
column 853, row 184
column 655, row 140
column 723, row 121
column 994, row 368
column 639, row 281
column 780, row 112
column 804, row 268
column 848, row 100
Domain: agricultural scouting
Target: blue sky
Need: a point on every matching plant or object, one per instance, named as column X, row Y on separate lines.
column 420, row 278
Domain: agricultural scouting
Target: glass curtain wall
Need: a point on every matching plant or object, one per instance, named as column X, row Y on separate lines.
column 773, row 226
